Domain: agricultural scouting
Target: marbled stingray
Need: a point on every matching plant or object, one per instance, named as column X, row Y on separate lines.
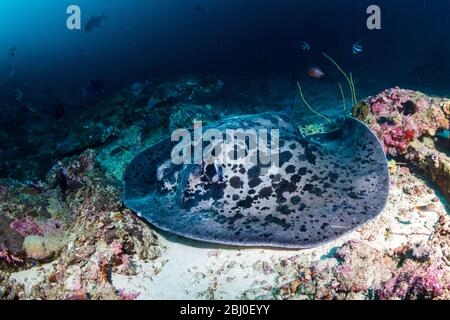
column 325, row 186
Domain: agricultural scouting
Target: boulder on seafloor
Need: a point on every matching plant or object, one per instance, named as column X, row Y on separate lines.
column 409, row 123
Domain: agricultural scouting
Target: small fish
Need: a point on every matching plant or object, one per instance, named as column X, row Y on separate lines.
column 357, row 48
column 12, row 52
column 94, row 22
column 426, row 208
column 19, row 95
column 305, row 46
column 316, row 73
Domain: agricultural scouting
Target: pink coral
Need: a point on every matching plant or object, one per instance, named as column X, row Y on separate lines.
column 378, row 107
column 6, row 256
column 26, row 227
column 413, row 282
column 400, row 116
column 127, row 295
column 116, row 247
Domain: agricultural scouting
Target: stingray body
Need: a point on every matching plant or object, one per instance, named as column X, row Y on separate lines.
column 322, row 187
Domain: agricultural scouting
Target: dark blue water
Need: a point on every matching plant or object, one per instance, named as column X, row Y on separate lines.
column 232, row 38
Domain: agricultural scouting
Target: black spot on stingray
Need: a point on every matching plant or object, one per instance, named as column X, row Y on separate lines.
column 290, row 169
column 324, row 226
column 326, row 185
column 275, row 178
column 302, row 171
column 266, row 192
column 254, row 174
column 285, row 186
column 295, row 200
column 245, row 203
column 235, row 197
column 221, row 219
column 210, row 171
column 281, row 199
column 303, row 228
column 313, row 189
column 242, row 171
column 236, row 182
column 333, row 177
column 292, row 146
column 281, row 222
column 235, row 218
column 296, row 178
column 284, row 210
column 251, row 191
column 285, row 157
column 310, row 156
column 214, row 191
column 353, row 195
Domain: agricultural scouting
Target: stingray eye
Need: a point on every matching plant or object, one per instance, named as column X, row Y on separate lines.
column 197, row 171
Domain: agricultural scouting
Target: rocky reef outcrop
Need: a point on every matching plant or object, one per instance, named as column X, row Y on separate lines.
column 413, row 127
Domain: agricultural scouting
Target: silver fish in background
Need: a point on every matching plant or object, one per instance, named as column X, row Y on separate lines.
column 305, row 46
column 12, row 52
column 357, row 48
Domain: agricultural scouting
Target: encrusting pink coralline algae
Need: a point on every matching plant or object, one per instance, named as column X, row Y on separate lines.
column 398, row 116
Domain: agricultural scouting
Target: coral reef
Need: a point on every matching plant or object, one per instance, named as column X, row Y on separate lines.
column 408, row 124
column 81, row 229
column 64, row 233
column 400, row 116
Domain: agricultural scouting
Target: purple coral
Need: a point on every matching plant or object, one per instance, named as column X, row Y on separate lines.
column 378, row 107
column 127, row 295
column 26, row 227
column 413, row 282
column 399, row 116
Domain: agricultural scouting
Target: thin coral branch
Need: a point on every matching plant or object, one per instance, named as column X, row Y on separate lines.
column 355, row 101
column 343, row 97
column 307, row 104
column 345, row 75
